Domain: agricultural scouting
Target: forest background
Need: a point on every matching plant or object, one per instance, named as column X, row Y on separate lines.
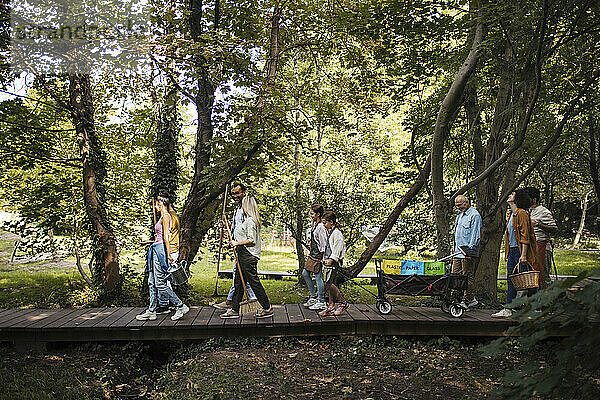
column 383, row 111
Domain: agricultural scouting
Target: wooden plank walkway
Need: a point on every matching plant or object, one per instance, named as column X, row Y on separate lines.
column 23, row 326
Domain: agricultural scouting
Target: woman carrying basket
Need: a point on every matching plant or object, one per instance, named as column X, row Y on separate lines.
column 519, row 244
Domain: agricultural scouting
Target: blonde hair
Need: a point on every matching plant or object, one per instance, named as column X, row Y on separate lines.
column 250, row 208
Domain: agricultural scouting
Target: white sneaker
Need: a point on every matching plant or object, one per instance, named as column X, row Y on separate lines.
column 504, row 313
column 463, row 305
column 473, row 303
column 318, row 306
column 180, row 312
column 310, row 302
column 146, row 316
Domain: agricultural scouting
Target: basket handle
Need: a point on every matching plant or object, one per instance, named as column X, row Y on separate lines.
column 516, row 269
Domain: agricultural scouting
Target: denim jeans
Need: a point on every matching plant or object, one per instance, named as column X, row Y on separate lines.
column 513, row 259
column 311, row 286
column 251, row 294
column 157, row 279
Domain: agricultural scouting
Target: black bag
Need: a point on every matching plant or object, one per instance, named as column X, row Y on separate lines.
column 312, row 265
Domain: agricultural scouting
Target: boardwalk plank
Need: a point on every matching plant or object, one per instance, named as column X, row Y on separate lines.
column 204, row 316
column 372, row 310
column 30, row 325
column 215, row 319
column 115, row 315
column 127, row 318
column 132, row 323
column 21, row 317
column 51, row 318
column 159, row 319
column 188, row 318
column 370, row 313
column 294, row 314
column 356, row 314
column 97, row 318
column 32, row 318
column 311, row 315
column 434, row 315
column 14, row 313
column 89, row 313
column 57, row 323
column 413, row 312
column 248, row 319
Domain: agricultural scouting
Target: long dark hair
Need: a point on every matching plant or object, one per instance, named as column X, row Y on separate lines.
column 318, row 209
column 522, row 199
column 164, row 199
column 330, row 216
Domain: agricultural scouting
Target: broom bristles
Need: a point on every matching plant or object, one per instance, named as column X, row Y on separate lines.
column 247, row 306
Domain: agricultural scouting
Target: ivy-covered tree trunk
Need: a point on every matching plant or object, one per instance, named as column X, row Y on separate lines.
column 204, row 99
column 166, row 154
column 106, row 258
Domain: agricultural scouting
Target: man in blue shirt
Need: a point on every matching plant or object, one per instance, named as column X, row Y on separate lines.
column 467, row 232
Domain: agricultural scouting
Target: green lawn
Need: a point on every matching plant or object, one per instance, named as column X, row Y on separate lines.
column 58, row 284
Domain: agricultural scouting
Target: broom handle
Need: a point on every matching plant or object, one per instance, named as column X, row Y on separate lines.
column 220, row 241
column 237, row 261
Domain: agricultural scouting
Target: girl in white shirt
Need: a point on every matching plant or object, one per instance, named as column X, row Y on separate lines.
column 333, row 258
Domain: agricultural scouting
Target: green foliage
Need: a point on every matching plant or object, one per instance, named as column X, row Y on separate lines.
column 573, row 370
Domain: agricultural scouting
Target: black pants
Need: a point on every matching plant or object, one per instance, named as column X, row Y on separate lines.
column 248, row 266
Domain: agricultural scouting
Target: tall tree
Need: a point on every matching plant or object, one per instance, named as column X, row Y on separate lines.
column 106, row 257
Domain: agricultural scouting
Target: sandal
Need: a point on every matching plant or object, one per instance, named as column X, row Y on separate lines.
column 327, row 311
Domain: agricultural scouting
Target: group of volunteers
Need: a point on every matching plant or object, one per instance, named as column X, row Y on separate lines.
column 526, row 243
column 327, row 252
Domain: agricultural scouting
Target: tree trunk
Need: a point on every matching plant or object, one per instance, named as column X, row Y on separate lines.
column 166, row 152
column 446, row 115
column 584, row 206
column 202, row 201
column 106, row 271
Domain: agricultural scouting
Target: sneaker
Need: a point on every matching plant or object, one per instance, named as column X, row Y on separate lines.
column 341, row 308
column 224, row 305
column 473, row 303
column 262, row 313
column 504, row 313
column 310, row 302
column 162, row 310
column 463, row 305
column 180, row 312
column 319, row 305
column 230, row 314
column 146, row 316
column 328, row 311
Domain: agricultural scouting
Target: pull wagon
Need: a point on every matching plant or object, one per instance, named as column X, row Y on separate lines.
column 446, row 286
column 442, row 286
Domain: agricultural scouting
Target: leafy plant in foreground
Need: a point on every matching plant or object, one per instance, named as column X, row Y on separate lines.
column 574, row 368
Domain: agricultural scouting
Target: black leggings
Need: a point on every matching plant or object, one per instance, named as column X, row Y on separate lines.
column 248, row 264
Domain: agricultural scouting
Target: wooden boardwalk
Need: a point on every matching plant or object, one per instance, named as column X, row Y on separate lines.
column 30, row 326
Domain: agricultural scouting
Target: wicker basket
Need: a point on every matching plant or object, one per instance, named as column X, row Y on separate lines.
column 525, row 280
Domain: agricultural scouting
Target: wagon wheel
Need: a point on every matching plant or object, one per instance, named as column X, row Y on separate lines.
column 456, row 310
column 384, row 306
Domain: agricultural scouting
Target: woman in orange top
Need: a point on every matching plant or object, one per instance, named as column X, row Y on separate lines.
column 520, row 246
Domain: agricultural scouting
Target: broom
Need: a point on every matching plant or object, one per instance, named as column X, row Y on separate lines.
column 246, row 306
column 220, row 248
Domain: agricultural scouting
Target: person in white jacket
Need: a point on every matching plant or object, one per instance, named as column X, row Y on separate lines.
column 335, row 251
